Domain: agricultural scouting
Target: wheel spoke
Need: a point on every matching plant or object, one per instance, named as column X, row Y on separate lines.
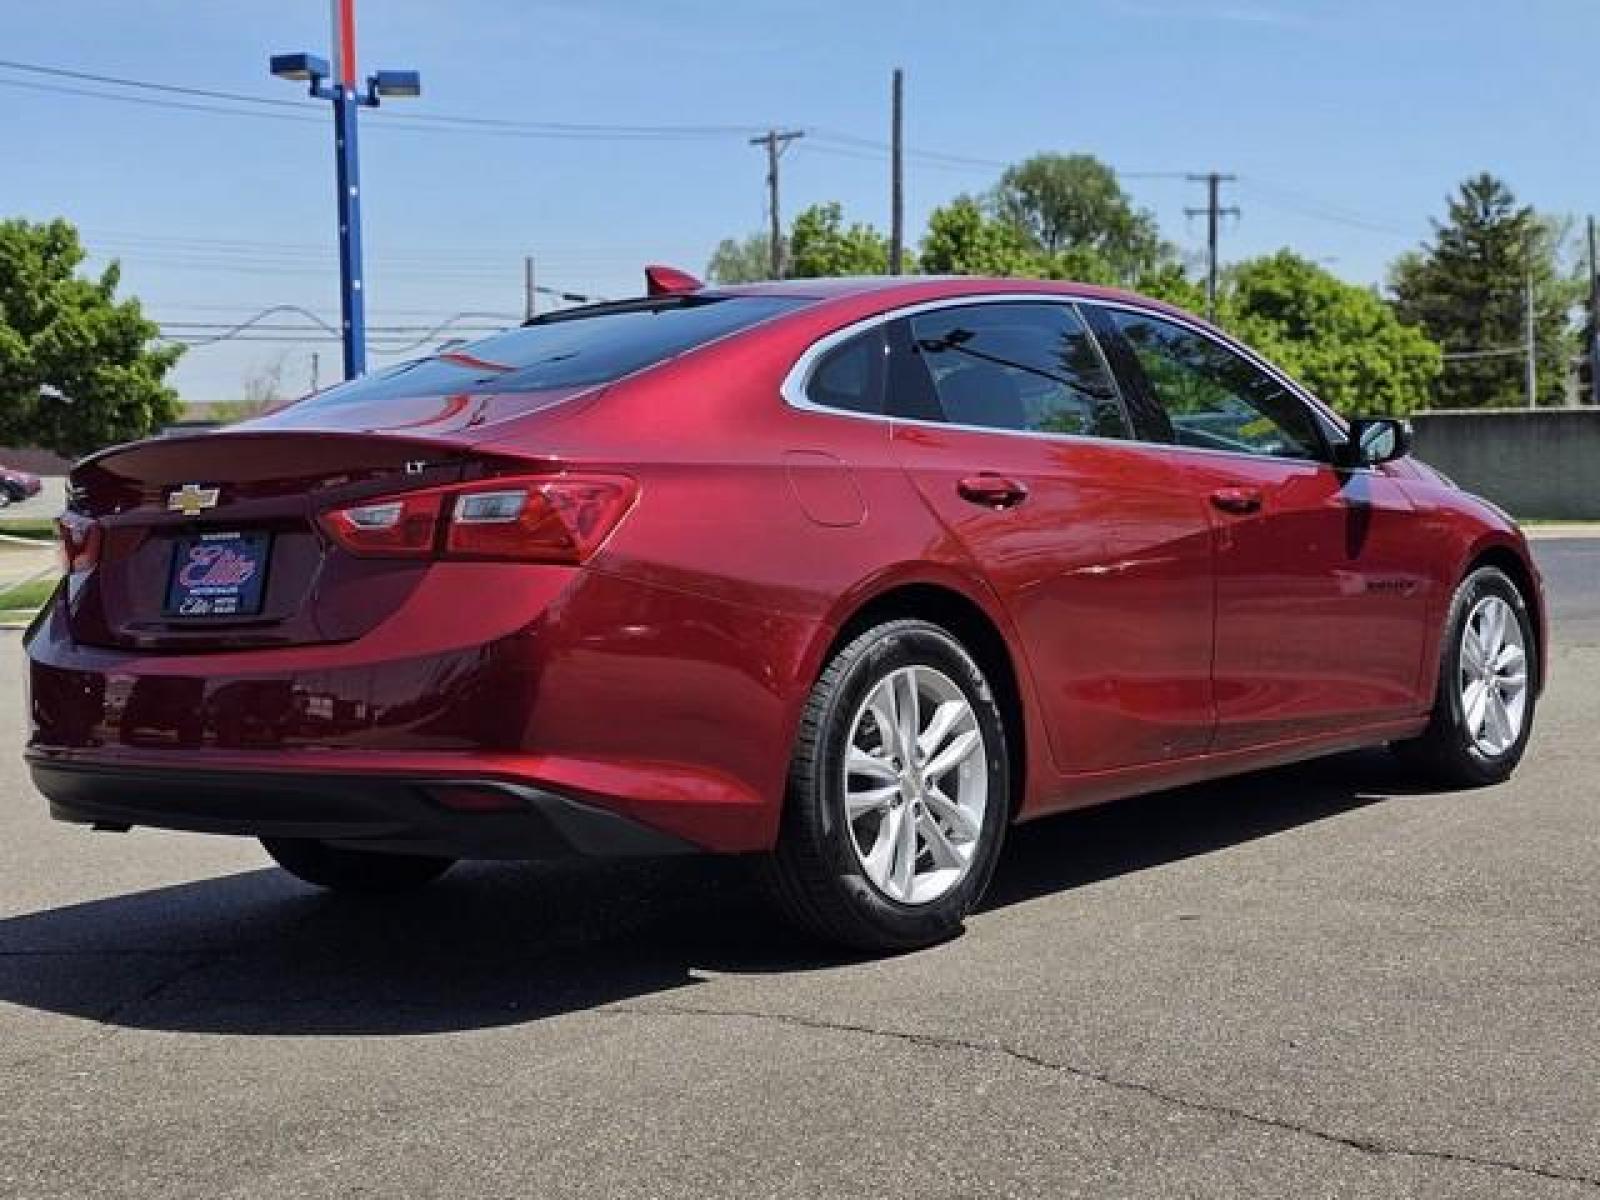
column 1472, row 650
column 858, row 804
column 859, row 762
column 960, row 821
column 910, row 713
column 945, row 718
column 905, row 857
column 885, row 709
column 1499, row 723
column 953, row 755
column 1475, row 706
column 879, row 861
column 944, row 854
column 1494, row 619
column 1509, row 660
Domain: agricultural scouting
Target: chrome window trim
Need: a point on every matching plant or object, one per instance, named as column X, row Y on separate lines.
column 795, row 380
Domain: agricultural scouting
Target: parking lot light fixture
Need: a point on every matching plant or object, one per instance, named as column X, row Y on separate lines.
column 337, row 84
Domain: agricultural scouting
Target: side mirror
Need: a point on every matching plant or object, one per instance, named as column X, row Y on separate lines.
column 1373, row 440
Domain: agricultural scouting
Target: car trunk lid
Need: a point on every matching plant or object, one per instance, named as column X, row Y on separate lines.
column 255, row 494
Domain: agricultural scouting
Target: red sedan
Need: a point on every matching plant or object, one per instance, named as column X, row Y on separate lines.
column 849, row 574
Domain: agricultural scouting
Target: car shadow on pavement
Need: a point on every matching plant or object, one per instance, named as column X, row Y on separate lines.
column 500, row 944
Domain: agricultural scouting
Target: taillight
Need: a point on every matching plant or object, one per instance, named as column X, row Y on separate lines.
column 561, row 519
column 80, row 541
column 400, row 527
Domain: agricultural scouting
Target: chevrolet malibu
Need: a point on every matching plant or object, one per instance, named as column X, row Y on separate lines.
column 849, row 575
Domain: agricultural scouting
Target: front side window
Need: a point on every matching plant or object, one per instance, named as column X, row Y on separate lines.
column 1032, row 367
column 1213, row 398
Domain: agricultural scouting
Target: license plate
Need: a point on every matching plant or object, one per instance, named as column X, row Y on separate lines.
column 218, row 575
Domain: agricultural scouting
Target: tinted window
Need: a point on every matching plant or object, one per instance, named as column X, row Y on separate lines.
column 565, row 350
column 850, row 376
column 1030, row 367
column 1213, row 398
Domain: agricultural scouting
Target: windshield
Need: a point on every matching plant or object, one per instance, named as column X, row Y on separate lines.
column 565, row 350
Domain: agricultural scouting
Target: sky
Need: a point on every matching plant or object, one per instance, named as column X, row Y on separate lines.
column 1346, row 122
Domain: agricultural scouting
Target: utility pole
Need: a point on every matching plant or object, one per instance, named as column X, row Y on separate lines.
column 1214, row 212
column 775, row 142
column 1531, row 348
column 1594, row 320
column 529, row 292
column 897, row 195
column 316, row 369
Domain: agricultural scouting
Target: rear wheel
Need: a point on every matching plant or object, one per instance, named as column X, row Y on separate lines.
column 341, row 869
column 898, row 793
column 1483, row 712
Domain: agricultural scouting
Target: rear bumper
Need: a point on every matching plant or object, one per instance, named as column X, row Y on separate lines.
column 386, row 813
column 672, row 711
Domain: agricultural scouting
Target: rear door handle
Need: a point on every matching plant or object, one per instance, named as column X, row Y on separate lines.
column 1237, row 500
column 992, row 491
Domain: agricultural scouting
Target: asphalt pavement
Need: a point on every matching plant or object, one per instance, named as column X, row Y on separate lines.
column 1317, row 981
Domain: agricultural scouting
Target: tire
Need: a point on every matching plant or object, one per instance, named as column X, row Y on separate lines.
column 363, row 872
column 1459, row 748
column 819, row 873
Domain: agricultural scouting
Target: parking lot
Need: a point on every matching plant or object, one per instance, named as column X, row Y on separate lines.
column 1318, row 981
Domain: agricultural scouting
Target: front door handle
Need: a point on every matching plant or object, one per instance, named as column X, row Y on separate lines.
column 1237, row 500
column 992, row 491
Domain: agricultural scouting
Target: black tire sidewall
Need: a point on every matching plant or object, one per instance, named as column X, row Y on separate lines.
column 1486, row 581
column 906, row 644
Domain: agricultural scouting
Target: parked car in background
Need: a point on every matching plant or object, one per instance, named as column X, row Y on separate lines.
column 847, row 574
column 16, row 486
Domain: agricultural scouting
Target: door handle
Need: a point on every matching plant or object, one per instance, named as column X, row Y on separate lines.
column 1237, row 500
column 992, row 491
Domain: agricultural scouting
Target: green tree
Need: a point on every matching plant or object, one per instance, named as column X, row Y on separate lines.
column 741, row 260
column 1170, row 282
column 963, row 239
column 820, row 245
column 77, row 367
column 1342, row 341
column 1468, row 289
column 1073, row 202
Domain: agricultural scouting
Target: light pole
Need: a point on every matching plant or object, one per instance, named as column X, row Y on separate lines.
column 347, row 99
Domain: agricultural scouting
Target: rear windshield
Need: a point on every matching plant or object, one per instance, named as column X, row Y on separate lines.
column 565, row 350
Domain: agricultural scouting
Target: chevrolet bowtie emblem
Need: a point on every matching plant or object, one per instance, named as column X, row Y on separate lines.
column 192, row 499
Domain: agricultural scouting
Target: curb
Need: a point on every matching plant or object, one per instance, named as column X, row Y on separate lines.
column 1552, row 533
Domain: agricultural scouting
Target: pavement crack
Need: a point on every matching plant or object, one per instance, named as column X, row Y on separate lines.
column 948, row 1042
column 109, row 1019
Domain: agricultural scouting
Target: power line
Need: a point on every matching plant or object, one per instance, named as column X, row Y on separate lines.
column 555, row 129
column 1289, row 200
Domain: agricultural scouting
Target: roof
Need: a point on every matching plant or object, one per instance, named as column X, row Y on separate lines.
column 894, row 290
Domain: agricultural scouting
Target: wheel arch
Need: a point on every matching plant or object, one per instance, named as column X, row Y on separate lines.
column 979, row 630
column 1521, row 571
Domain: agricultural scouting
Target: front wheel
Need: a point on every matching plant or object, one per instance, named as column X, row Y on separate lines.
column 341, row 869
column 898, row 793
column 1483, row 711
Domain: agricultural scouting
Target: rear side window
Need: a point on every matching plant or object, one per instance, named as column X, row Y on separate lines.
column 566, row 350
column 850, row 376
column 1213, row 398
column 1028, row 367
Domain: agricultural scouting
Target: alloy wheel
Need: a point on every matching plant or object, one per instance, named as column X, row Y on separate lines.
column 916, row 784
column 1493, row 676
